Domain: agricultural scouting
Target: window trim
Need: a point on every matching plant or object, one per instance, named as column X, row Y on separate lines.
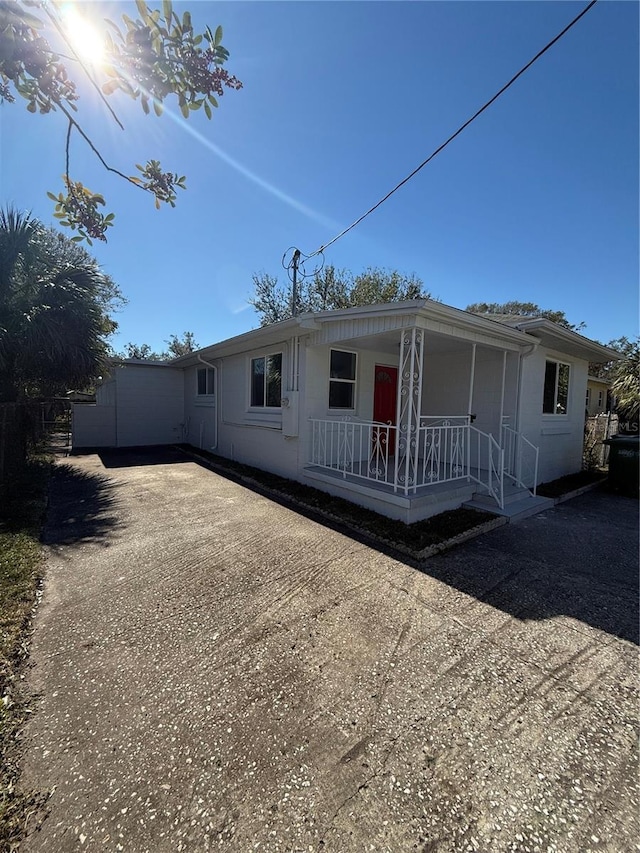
column 252, row 407
column 558, row 362
column 210, row 373
column 353, row 382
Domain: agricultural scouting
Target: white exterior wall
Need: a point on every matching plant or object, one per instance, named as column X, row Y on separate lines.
column 559, row 437
column 149, row 405
column 317, row 381
column 314, row 397
column 140, row 404
column 93, row 425
column 200, row 413
column 445, row 383
column 245, row 434
column 487, row 393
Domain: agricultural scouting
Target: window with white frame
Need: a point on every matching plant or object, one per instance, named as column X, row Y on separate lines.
column 266, row 381
column 588, row 400
column 342, row 379
column 206, row 381
column 555, row 398
column 600, row 397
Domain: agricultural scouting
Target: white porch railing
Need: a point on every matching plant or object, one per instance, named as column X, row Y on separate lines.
column 368, row 449
column 354, row 447
column 520, row 459
column 488, row 464
column 444, row 449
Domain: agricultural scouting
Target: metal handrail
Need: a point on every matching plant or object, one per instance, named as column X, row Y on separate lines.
column 513, row 441
column 494, row 482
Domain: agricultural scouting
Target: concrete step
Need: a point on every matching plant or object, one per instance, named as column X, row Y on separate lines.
column 512, row 494
column 516, row 510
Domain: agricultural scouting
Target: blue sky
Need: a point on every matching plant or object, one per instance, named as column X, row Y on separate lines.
column 536, row 201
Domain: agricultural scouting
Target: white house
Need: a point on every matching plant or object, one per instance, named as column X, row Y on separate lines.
column 408, row 408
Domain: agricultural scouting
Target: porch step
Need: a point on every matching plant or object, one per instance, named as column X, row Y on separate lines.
column 514, row 510
column 512, row 494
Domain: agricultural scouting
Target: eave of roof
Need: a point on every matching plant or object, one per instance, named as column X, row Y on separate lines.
column 523, row 331
column 568, row 341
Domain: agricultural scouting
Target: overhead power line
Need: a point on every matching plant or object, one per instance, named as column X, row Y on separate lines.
column 458, row 131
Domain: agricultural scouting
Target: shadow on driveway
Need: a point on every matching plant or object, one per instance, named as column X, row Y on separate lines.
column 82, row 507
column 578, row 560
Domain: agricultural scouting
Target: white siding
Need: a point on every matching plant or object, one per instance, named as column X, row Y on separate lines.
column 316, row 379
column 445, row 383
column 93, row 425
column 139, row 404
column 559, row 437
column 244, row 434
column 199, row 413
column 149, row 405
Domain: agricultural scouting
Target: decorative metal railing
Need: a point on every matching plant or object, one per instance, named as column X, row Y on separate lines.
column 520, row 459
column 357, row 448
column 371, row 451
column 443, row 449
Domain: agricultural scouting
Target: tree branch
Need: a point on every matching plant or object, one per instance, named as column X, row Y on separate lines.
column 64, row 37
column 87, row 139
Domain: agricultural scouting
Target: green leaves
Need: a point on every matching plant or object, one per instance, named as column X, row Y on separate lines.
column 153, row 58
column 78, row 210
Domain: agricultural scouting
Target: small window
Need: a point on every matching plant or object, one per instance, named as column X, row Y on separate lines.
column 556, row 388
column 266, row 381
column 600, row 394
column 206, row 381
column 588, row 400
column 342, row 382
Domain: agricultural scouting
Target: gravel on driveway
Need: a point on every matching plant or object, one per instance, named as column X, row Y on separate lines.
column 215, row 671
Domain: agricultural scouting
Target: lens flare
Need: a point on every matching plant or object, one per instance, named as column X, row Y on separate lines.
column 84, row 36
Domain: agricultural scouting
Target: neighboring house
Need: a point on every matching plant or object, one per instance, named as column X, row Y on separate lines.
column 409, row 408
column 597, row 398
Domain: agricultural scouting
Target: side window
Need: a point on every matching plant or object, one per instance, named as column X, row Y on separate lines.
column 342, row 379
column 266, row 381
column 556, row 388
column 206, row 383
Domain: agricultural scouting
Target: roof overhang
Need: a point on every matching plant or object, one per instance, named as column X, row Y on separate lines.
column 556, row 337
column 432, row 316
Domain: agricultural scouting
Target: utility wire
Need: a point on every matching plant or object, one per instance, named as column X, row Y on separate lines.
column 458, row 131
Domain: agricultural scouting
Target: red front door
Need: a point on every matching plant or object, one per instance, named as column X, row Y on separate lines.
column 385, row 391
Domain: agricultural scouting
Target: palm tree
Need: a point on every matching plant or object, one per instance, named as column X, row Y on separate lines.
column 54, row 303
column 625, row 376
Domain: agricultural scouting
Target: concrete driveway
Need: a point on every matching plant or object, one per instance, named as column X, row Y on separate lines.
column 218, row 672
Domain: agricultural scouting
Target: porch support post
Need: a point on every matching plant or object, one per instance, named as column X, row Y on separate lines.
column 504, row 375
column 409, row 408
column 471, row 378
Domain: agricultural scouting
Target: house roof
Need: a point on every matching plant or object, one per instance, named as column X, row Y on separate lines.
column 599, row 380
column 559, row 338
column 513, row 330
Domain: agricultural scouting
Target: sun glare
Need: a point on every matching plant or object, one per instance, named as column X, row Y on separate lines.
column 84, row 36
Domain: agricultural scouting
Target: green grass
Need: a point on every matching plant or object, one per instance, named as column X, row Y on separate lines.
column 21, row 514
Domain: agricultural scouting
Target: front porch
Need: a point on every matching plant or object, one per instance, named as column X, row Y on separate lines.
column 385, row 445
column 445, row 463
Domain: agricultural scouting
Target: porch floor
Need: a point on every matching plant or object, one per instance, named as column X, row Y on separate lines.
column 429, row 499
column 384, row 481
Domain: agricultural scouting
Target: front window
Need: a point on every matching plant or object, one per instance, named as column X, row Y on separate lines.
column 266, row 381
column 206, row 383
column 556, row 388
column 342, row 382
